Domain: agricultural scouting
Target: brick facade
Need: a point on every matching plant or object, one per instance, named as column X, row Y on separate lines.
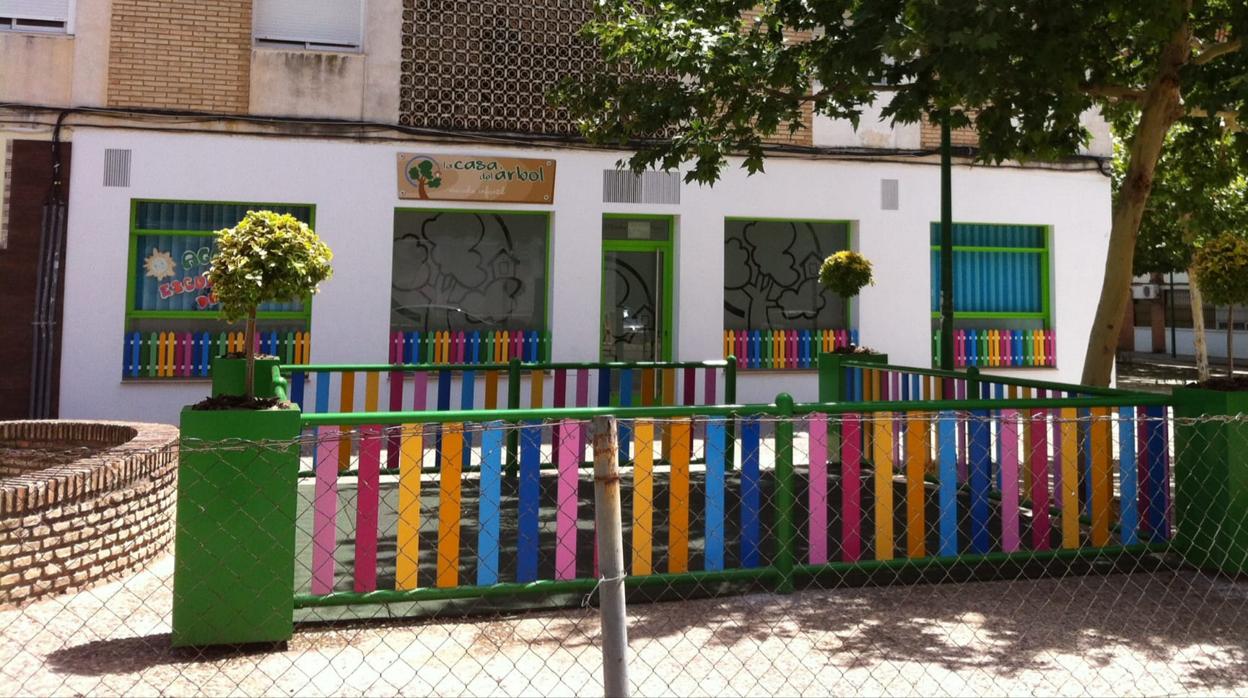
column 929, row 136
column 192, row 55
column 83, row 521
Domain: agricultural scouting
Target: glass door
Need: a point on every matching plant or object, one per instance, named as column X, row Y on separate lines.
column 636, row 289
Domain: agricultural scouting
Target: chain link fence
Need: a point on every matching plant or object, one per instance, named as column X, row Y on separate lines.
column 1013, row 552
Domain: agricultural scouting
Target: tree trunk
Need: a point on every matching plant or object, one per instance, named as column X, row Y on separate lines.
column 1198, row 326
column 1160, row 108
column 1230, row 341
column 249, row 339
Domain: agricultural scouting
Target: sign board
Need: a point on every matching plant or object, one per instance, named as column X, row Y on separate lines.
column 475, row 178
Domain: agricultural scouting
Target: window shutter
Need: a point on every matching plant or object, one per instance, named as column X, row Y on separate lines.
column 329, row 22
column 42, row 10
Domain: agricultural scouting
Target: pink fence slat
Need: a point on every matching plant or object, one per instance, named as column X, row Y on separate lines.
column 708, row 390
column 367, row 496
column 818, row 499
column 690, row 387
column 567, row 436
column 325, row 510
column 420, row 391
column 1039, row 480
column 1009, row 480
column 851, row 502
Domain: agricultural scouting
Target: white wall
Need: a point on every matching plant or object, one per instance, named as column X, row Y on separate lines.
column 1185, row 340
column 353, row 187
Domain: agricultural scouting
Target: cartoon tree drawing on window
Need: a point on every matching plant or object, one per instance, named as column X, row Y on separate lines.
column 422, row 173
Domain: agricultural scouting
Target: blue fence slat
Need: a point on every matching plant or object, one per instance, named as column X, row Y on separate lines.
column 322, row 392
column 715, row 494
column 1128, row 500
column 488, row 506
column 467, row 395
column 625, row 426
column 948, row 447
column 981, row 539
column 750, row 556
column 526, row 547
column 1155, row 425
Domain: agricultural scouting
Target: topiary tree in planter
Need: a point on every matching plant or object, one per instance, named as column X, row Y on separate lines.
column 266, row 257
column 1222, row 265
column 846, row 273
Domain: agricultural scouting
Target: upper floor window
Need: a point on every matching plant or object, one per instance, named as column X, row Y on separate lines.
column 335, row 25
column 44, row 16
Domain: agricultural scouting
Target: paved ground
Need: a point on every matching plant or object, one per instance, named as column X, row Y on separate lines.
column 1138, row 634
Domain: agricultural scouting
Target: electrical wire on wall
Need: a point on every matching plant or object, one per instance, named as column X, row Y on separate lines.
column 51, row 253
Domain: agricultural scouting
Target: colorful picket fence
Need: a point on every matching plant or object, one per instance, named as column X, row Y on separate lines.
column 1001, row 348
column 189, row 354
column 784, row 349
column 469, row 347
column 1011, row 480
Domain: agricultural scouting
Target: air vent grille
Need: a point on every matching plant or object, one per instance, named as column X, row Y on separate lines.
column 623, row 187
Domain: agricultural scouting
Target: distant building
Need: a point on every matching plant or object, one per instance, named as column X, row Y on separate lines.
column 417, row 138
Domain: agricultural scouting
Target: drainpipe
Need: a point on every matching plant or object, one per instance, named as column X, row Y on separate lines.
column 51, row 253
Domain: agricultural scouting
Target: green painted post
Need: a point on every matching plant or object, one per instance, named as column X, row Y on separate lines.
column 1211, row 479
column 513, row 403
column 785, row 531
column 234, row 548
column 946, row 244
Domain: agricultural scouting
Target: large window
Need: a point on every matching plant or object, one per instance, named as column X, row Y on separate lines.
column 1000, row 294
column 316, row 24
column 50, row 16
column 469, row 287
column 173, row 327
column 776, row 315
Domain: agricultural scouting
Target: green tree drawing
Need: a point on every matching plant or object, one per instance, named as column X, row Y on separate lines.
column 425, row 178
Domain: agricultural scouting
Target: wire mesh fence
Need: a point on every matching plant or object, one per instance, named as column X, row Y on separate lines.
column 1011, row 551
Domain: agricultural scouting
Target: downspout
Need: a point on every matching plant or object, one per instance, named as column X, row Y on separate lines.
column 51, row 252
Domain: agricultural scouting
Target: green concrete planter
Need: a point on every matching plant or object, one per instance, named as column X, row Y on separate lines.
column 1211, row 479
column 234, row 550
column 831, row 375
column 229, row 376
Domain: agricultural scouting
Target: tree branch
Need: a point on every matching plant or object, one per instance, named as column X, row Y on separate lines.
column 1216, row 50
column 1116, row 92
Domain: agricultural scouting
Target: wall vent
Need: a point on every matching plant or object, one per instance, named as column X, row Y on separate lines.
column 624, row 187
column 116, row 167
column 890, row 194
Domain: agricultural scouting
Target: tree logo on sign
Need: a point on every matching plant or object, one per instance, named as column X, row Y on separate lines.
column 422, row 172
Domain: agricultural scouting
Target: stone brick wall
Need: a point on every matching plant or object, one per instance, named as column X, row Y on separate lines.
column 78, row 523
column 190, row 55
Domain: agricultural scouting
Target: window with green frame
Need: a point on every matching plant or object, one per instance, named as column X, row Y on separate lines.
column 1000, row 292
column 172, row 324
column 469, row 286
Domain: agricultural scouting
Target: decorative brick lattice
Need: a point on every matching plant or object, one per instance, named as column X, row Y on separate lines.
column 85, row 519
column 490, row 65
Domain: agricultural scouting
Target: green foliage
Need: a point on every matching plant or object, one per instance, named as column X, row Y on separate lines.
column 691, row 81
column 845, row 273
column 1222, row 265
column 423, row 172
column 1200, row 189
column 266, row 257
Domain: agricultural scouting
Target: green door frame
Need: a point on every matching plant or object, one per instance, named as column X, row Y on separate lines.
column 667, row 247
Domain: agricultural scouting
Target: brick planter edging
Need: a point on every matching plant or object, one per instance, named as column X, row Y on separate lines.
column 67, row 527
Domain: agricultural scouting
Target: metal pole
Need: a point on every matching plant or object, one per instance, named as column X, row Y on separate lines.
column 946, row 244
column 610, row 558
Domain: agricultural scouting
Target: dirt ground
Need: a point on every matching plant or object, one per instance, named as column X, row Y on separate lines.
column 1147, row 633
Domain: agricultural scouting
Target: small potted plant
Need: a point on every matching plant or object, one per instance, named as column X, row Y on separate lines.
column 844, row 273
column 239, row 457
column 1211, row 431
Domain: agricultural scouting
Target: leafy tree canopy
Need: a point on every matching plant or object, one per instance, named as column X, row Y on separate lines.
column 266, row 257
column 1200, row 190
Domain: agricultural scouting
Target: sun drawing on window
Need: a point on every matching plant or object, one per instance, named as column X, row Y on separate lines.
column 159, row 265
